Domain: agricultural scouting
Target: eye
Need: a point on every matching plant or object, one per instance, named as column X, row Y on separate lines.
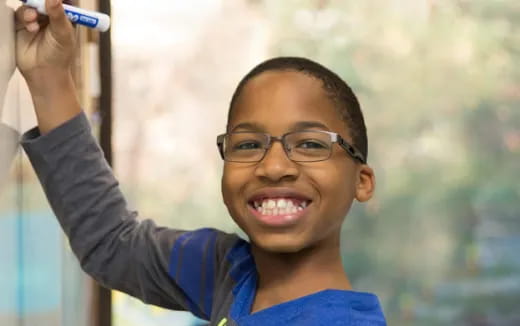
column 311, row 144
column 247, row 145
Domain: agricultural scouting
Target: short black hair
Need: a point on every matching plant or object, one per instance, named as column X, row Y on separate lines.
column 337, row 89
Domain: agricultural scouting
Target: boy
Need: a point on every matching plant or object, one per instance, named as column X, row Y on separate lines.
column 290, row 176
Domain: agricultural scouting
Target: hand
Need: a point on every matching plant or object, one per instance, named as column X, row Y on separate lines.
column 45, row 51
column 45, row 45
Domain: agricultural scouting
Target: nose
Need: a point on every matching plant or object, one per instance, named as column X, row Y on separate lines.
column 276, row 165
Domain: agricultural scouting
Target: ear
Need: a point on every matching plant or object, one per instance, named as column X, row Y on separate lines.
column 366, row 183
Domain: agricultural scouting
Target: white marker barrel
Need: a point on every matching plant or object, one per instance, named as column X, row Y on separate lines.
column 89, row 18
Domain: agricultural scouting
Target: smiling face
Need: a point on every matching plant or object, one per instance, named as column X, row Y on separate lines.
column 284, row 206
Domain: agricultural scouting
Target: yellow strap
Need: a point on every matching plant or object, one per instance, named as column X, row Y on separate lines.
column 223, row 322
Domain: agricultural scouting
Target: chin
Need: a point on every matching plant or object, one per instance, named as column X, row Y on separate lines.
column 274, row 244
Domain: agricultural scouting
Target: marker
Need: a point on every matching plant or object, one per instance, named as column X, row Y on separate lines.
column 92, row 19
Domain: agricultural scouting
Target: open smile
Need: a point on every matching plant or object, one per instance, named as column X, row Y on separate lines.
column 279, row 209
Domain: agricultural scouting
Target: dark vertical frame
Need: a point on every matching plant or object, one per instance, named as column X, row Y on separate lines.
column 105, row 100
column 103, row 296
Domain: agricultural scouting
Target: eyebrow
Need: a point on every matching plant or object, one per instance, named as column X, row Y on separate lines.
column 250, row 126
column 300, row 125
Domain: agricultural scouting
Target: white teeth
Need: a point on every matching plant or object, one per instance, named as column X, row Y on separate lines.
column 280, row 206
column 279, row 211
column 282, row 203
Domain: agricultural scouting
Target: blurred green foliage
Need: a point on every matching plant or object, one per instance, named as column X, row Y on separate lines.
column 439, row 83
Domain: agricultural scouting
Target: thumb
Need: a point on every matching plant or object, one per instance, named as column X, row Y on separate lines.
column 58, row 21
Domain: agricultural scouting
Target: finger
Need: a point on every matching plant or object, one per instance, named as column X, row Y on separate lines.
column 28, row 18
column 40, row 23
column 30, row 15
column 58, row 21
column 19, row 17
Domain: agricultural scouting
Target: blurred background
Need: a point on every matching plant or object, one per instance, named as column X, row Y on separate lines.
column 439, row 83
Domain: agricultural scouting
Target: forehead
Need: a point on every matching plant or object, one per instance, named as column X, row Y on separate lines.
column 278, row 100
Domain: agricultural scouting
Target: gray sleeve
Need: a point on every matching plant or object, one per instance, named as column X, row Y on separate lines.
column 116, row 249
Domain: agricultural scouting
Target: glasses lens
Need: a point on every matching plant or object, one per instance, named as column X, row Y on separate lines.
column 308, row 146
column 244, row 146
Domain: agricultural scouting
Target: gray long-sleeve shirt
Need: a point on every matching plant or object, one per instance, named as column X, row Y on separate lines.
column 206, row 271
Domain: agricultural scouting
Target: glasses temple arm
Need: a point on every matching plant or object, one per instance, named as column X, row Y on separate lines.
column 354, row 152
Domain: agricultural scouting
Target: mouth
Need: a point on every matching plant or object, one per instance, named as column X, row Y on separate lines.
column 279, row 209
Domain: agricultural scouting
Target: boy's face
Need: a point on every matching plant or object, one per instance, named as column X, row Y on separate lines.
column 274, row 102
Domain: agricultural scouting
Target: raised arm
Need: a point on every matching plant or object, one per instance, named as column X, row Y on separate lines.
column 170, row 268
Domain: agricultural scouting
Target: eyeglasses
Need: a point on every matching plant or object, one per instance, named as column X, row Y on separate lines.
column 300, row 146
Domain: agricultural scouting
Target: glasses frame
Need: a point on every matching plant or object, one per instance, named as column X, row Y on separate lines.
column 334, row 138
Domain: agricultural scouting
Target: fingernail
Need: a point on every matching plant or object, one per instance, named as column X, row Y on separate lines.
column 33, row 27
column 28, row 14
column 56, row 2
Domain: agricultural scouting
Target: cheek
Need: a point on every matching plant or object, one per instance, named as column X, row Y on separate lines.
column 227, row 186
column 336, row 184
column 233, row 181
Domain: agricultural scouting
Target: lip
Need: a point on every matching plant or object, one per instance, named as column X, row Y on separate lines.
column 279, row 220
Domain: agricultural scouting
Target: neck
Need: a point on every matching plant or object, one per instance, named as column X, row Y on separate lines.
column 287, row 276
